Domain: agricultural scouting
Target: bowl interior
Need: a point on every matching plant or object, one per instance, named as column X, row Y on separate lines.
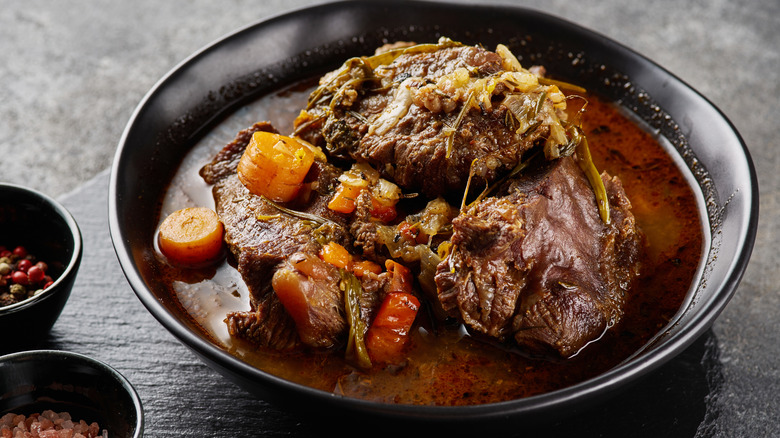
column 34, row 381
column 283, row 50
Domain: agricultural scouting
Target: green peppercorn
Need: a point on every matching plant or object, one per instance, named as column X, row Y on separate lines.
column 17, row 289
column 5, row 268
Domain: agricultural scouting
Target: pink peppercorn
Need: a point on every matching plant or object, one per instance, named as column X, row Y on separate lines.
column 20, row 277
column 23, row 265
column 20, row 252
column 35, row 275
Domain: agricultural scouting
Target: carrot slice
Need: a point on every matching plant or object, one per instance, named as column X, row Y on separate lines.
column 336, row 255
column 401, row 280
column 389, row 332
column 344, row 199
column 362, row 268
column 191, row 236
column 275, row 165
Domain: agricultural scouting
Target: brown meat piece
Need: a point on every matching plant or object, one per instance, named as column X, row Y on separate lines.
column 309, row 290
column 260, row 236
column 421, row 152
column 539, row 265
column 268, row 324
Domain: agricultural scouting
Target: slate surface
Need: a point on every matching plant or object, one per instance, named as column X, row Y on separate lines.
column 71, row 74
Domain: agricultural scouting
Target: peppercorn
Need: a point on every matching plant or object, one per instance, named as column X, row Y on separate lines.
column 23, row 265
column 35, row 274
column 17, row 289
column 20, row 251
column 21, row 275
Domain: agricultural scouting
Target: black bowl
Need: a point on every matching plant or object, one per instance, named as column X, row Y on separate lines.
column 278, row 52
column 43, row 226
column 89, row 390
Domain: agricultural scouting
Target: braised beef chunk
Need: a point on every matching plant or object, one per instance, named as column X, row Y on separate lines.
column 309, row 290
column 267, row 324
column 539, row 265
column 429, row 116
column 481, row 280
column 260, row 236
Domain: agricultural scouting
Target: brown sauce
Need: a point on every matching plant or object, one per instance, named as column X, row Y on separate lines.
column 449, row 367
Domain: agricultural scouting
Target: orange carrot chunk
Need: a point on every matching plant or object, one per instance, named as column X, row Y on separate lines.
column 401, row 280
column 289, row 288
column 336, row 255
column 364, row 267
column 344, row 199
column 275, row 165
column 191, row 236
column 389, row 332
column 301, row 289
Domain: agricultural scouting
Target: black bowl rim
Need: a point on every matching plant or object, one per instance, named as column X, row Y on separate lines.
column 93, row 363
column 75, row 259
column 592, row 389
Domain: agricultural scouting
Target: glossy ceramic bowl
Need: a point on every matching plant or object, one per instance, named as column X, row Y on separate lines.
column 89, row 390
column 267, row 56
column 42, row 225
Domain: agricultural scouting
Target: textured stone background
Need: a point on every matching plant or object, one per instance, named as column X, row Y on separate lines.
column 71, row 74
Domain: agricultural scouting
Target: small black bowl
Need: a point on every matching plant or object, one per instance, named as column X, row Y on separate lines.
column 89, row 390
column 39, row 223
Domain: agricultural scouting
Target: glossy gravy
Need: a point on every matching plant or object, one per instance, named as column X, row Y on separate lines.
column 446, row 366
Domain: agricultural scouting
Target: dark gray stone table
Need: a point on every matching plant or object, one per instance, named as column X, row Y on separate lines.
column 72, row 72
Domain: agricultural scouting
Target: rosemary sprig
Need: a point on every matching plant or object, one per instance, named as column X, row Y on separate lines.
column 450, row 130
column 562, row 85
column 319, row 220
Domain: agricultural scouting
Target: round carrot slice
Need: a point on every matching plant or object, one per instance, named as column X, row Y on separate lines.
column 191, row 236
